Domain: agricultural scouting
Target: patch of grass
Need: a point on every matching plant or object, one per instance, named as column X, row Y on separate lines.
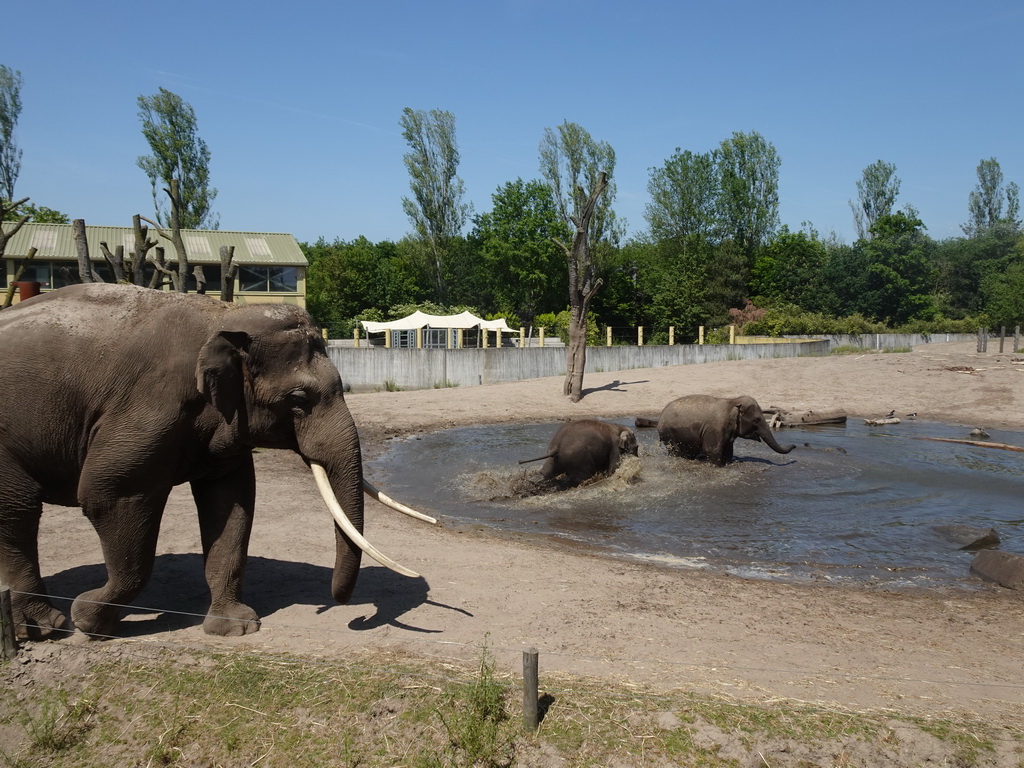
column 901, row 350
column 391, row 386
column 850, row 349
column 445, row 384
column 125, row 705
column 476, row 720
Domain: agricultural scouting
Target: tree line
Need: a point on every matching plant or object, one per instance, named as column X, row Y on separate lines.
column 714, row 251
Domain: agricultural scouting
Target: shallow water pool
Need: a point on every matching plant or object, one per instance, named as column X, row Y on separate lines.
column 852, row 504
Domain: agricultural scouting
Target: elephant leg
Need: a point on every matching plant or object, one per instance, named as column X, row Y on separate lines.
column 128, row 530
column 20, row 510
column 226, row 504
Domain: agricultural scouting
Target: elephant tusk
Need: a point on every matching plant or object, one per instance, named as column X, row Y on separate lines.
column 374, row 493
column 323, row 483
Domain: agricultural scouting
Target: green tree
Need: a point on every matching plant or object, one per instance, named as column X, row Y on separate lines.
column 578, row 168
column 748, row 170
column 436, row 209
column 877, row 191
column 684, row 197
column 788, row 269
column 38, row 214
column 1003, row 292
column 524, row 268
column 675, row 284
column 10, row 111
column 899, row 272
column 986, row 202
column 179, row 157
column 345, row 279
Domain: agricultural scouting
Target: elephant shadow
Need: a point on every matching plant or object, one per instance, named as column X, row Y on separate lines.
column 177, row 596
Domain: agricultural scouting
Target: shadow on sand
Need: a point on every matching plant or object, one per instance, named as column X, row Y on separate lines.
column 177, row 597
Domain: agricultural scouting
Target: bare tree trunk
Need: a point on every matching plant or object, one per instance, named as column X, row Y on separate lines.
column 85, row 273
column 9, row 295
column 116, row 261
column 179, row 243
column 228, row 270
column 142, row 246
column 583, row 285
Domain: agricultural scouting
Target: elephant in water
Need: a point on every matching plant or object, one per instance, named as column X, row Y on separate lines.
column 114, row 394
column 696, row 426
column 585, row 448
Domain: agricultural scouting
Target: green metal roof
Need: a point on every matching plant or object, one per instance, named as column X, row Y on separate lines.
column 56, row 241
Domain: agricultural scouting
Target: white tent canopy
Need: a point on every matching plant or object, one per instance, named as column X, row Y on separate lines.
column 422, row 320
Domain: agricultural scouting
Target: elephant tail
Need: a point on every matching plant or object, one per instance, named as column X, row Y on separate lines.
column 641, row 423
column 539, row 458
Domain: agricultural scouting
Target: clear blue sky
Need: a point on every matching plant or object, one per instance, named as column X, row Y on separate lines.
column 300, row 102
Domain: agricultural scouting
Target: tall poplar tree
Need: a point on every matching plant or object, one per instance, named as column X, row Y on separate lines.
column 181, row 161
column 10, row 111
column 877, row 191
column 578, row 170
column 436, row 210
column 178, row 155
column 748, row 171
column 986, row 201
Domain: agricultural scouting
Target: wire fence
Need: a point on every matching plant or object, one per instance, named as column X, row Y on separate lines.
column 832, row 673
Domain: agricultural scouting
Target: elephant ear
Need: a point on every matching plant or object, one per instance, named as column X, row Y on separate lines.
column 220, row 372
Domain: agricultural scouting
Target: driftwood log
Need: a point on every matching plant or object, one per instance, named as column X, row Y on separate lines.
column 782, row 417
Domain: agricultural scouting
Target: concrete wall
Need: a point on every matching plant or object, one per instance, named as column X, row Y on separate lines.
column 887, row 340
column 375, row 368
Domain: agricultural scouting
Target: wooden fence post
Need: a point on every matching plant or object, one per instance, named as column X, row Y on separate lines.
column 1016, row 339
column 700, row 335
column 639, row 335
column 671, row 335
column 8, row 644
column 608, row 335
column 530, row 690
column 1002, row 337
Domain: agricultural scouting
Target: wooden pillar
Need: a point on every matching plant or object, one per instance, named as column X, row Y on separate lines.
column 541, row 335
column 608, row 336
column 387, row 339
column 355, row 337
column 461, row 341
column 732, row 334
column 522, row 337
column 419, row 338
column 671, row 335
column 700, row 335
column 639, row 335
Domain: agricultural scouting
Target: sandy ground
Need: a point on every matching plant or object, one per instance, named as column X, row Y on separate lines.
column 923, row 652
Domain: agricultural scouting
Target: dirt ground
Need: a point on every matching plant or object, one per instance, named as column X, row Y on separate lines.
column 921, row 652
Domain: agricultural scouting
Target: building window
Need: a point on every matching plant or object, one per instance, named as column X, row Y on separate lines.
column 269, row 279
column 438, row 338
column 400, row 339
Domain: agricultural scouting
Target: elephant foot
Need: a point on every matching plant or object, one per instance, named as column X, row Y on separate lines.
column 38, row 620
column 231, row 621
column 93, row 616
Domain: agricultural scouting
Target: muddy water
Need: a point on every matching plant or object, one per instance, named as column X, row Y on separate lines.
column 852, row 504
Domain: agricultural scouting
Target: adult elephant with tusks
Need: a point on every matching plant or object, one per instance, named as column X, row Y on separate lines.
column 585, row 448
column 696, row 426
column 114, row 394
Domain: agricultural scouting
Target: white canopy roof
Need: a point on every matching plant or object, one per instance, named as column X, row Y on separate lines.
column 422, row 320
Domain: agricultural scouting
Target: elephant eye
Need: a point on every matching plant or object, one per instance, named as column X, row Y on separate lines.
column 298, row 400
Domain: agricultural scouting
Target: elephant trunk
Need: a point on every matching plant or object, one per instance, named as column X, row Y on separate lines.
column 330, row 445
column 765, row 433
